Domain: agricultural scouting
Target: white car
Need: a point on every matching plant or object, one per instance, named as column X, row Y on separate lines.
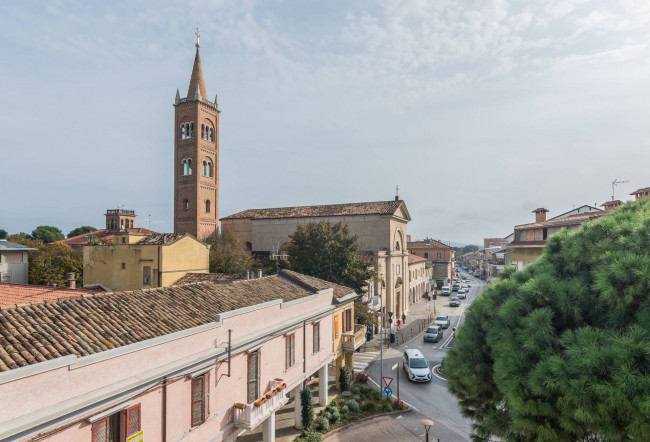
column 462, row 294
column 443, row 321
column 416, row 367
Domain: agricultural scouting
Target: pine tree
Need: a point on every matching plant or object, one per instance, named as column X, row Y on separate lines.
column 561, row 349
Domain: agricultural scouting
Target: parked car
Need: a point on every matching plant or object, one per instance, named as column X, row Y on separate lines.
column 443, row 321
column 462, row 294
column 433, row 334
column 454, row 302
column 446, row 291
column 416, row 367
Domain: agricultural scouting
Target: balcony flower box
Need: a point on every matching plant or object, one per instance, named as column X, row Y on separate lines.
column 240, row 406
column 260, row 401
column 270, row 394
column 281, row 387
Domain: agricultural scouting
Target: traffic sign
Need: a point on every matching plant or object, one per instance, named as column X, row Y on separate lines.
column 388, row 392
column 387, row 380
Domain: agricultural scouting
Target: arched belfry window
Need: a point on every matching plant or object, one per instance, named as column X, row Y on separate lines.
column 205, row 168
column 183, row 132
column 207, row 206
column 189, row 166
column 186, row 205
column 209, row 169
column 131, row 223
column 192, row 129
column 211, row 134
column 184, row 162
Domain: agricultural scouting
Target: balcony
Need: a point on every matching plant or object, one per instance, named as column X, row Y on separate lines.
column 249, row 416
column 352, row 341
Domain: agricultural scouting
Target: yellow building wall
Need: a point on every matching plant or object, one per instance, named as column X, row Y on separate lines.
column 121, row 266
column 527, row 255
column 183, row 256
column 337, row 327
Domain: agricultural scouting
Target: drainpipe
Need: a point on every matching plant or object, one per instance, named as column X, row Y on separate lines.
column 164, row 409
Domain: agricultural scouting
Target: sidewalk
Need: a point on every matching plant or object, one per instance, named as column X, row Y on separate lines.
column 417, row 319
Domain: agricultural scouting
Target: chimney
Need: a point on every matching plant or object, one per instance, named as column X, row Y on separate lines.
column 259, row 273
column 71, row 283
column 540, row 215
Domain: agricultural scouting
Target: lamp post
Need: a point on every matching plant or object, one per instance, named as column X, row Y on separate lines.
column 428, row 423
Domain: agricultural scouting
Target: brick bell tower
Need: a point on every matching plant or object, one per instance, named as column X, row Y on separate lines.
column 196, row 158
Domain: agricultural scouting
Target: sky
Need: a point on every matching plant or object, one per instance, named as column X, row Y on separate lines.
column 480, row 111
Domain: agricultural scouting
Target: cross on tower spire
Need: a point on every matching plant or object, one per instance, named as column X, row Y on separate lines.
column 198, row 35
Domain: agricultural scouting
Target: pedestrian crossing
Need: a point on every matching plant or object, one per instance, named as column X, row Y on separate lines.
column 362, row 360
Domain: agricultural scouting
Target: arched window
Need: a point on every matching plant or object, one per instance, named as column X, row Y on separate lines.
column 122, row 224
column 186, row 205
column 209, row 169
column 192, row 129
column 211, row 133
column 182, row 131
column 189, row 166
column 207, row 206
column 203, row 131
column 396, row 245
column 131, row 223
column 205, row 168
column 184, row 167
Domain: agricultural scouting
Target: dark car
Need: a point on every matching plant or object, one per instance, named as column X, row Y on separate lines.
column 454, row 302
column 433, row 334
column 455, row 287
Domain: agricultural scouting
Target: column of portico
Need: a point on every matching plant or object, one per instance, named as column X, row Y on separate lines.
column 322, row 385
column 298, row 407
column 268, row 429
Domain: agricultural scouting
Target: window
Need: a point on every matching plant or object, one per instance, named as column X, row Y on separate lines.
column 397, row 245
column 205, row 168
column 183, row 135
column 200, row 389
column 209, row 169
column 211, row 134
column 184, row 162
column 186, row 205
column 203, row 131
column 123, row 240
column 146, row 275
column 123, row 265
column 109, row 428
column 253, row 375
column 439, row 255
column 336, row 326
column 189, row 166
column 207, row 206
column 131, row 223
column 290, row 354
column 316, row 338
column 191, row 129
column 426, row 254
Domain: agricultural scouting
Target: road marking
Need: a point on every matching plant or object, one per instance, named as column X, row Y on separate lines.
column 435, row 373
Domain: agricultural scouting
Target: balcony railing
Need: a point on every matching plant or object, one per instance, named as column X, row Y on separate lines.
column 249, row 416
column 352, row 341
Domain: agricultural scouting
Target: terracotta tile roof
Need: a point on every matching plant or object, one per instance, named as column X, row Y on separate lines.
column 373, row 208
column 88, row 324
column 217, row 278
column 12, row 294
column 612, row 203
column 319, row 284
column 428, row 243
column 566, row 221
column 103, row 235
column 640, row 191
column 162, row 238
column 414, row 258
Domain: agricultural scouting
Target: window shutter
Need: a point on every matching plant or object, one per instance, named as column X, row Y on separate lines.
column 197, row 401
column 100, row 431
column 293, row 350
column 252, row 376
column 132, row 420
column 287, row 352
column 206, row 395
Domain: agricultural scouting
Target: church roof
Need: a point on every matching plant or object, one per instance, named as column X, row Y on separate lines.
column 349, row 209
column 103, row 235
column 197, row 78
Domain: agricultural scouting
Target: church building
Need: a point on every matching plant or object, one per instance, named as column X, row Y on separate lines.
column 196, row 158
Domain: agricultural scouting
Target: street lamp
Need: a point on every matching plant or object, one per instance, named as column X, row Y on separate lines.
column 428, row 423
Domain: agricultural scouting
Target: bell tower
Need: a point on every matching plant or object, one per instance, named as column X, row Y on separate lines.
column 196, row 158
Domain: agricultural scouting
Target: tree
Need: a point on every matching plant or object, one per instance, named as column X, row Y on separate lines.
column 329, row 252
column 50, row 263
column 3, row 234
column 229, row 255
column 47, row 234
column 81, row 230
column 561, row 349
column 307, row 412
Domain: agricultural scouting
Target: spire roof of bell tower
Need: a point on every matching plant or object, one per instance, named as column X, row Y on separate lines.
column 196, row 81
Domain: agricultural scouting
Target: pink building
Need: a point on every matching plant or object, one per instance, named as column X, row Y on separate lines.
column 193, row 362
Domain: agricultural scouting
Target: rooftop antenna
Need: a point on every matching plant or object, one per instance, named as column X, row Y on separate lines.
column 615, row 183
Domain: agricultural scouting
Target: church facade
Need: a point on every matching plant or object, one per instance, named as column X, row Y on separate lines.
column 196, row 158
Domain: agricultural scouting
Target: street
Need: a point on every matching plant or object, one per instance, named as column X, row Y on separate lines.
column 432, row 399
